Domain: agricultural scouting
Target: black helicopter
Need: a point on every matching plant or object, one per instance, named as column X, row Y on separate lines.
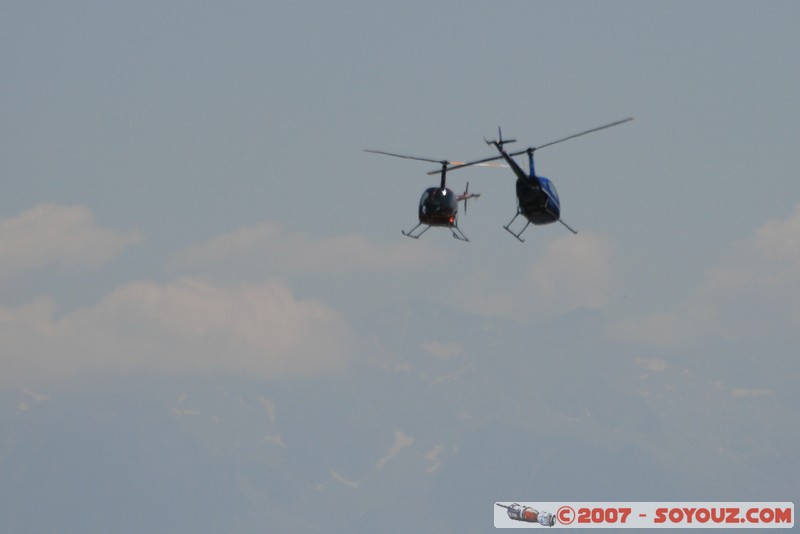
column 438, row 206
column 537, row 198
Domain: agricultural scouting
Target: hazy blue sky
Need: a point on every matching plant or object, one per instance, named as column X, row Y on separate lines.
column 185, row 192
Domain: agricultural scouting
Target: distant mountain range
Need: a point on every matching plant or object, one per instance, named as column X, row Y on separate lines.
column 425, row 433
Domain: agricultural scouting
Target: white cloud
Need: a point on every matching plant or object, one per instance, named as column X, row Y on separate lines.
column 652, row 364
column 779, row 239
column 480, row 292
column 401, row 441
column 443, row 351
column 269, row 408
column 755, row 292
column 662, row 329
column 270, row 245
column 570, row 272
column 62, row 236
column 754, row 392
column 433, row 458
column 573, row 272
column 347, row 482
column 188, row 325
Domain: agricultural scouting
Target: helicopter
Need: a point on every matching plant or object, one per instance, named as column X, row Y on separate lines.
column 438, row 206
column 537, row 198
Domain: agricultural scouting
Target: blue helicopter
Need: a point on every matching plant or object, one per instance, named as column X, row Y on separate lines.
column 537, row 198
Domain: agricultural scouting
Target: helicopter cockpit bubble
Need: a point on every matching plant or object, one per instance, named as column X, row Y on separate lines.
column 438, row 205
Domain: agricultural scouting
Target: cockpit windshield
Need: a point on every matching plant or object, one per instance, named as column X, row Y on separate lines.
column 440, row 201
column 550, row 187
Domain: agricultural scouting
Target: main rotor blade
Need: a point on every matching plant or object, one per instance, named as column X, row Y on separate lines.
column 441, row 161
column 573, row 136
column 495, row 158
column 479, row 163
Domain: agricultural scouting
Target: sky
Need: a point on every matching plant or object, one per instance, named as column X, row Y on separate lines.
column 186, row 200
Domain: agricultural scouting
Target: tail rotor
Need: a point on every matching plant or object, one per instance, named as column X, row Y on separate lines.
column 500, row 141
column 466, row 195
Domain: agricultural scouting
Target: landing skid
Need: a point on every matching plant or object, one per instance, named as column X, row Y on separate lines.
column 568, row 227
column 517, row 235
column 458, row 234
column 456, row 231
column 508, row 229
column 411, row 233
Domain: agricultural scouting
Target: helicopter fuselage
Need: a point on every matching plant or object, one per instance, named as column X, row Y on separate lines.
column 538, row 200
column 438, row 207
